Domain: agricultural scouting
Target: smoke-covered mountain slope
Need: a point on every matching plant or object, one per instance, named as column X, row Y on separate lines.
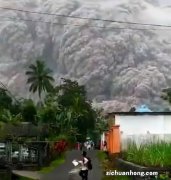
column 122, row 66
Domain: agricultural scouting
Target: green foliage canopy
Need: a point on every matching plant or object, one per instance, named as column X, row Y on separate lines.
column 39, row 78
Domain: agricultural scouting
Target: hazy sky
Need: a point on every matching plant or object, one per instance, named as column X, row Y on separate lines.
column 165, row 2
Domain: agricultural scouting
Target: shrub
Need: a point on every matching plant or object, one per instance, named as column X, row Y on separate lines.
column 60, row 146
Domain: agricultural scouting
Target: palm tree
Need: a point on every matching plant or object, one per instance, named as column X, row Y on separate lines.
column 39, row 77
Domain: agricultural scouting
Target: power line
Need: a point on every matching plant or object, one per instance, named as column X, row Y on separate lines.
column 86, row 18
column 76, row 25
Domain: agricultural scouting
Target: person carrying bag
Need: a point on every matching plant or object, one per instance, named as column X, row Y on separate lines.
column 85, row 166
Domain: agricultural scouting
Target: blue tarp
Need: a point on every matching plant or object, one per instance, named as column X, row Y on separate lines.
column 143, row 108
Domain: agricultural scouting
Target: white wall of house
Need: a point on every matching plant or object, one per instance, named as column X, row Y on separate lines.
column 167, row 125
column 102, row 141
column 143, row 128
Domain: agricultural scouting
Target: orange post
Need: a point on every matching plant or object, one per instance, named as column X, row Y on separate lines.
column 110, row 143
column 112, row 140
column 116, row 139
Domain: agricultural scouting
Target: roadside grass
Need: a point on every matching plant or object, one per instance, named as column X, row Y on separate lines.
column 107, row 165
column 53, row 165
column 24, row 178
column 101, row 155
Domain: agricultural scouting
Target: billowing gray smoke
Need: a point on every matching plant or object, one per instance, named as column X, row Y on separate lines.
column 124, row 67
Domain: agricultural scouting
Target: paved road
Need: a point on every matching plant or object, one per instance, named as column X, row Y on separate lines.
column 62, row 172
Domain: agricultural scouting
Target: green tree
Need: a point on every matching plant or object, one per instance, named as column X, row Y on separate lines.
column 66, row 110
column 16, row 107
column 68, row 91
column 28, row 111
column 7, row 117
column 72, row 96
column 39, row 78
column 9, row 102
column 5, row 99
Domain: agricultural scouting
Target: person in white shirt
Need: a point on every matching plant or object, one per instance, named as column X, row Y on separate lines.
column 88, row 145
column 84, row 169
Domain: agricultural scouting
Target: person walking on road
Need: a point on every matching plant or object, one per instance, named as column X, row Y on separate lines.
column 88, row 145
column 84, row 167
column 92, row 145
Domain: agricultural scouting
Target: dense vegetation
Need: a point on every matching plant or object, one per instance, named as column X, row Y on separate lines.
column 63, row 111
column 152, row 154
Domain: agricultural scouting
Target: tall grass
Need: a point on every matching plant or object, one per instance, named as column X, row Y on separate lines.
column 150, row 154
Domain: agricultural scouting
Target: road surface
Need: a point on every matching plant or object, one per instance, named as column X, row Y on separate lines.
column 62, row 172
